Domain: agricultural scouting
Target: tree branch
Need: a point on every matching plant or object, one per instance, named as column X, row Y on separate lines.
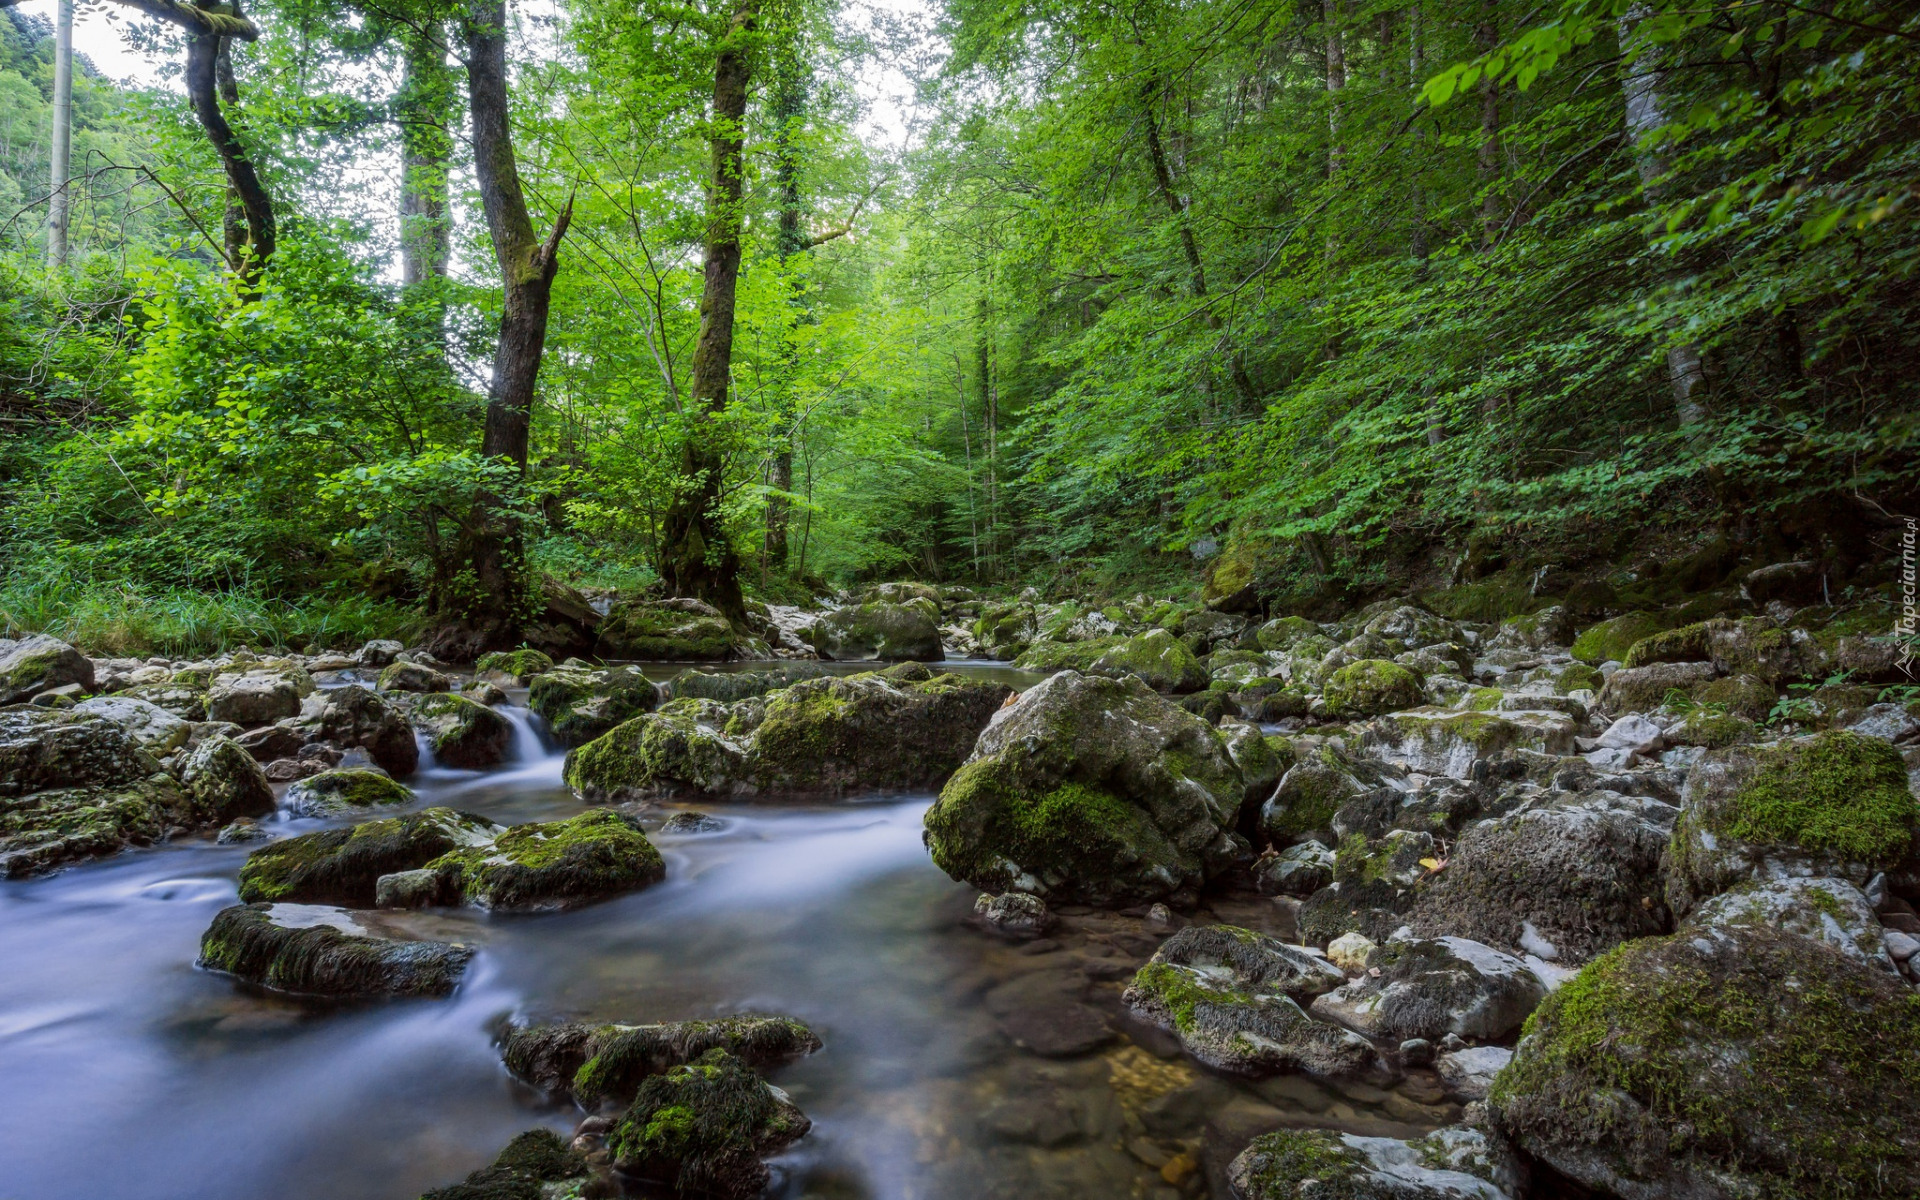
column 197, row 20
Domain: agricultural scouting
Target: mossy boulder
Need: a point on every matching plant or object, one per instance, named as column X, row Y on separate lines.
column 343, row 866
column 554, row 864
column 679, row 629
column 1262, row 759
column 1834, row 804
column 1090, row 789
column 877, row 630
column 728, row 687
column 1407, row 627
column 1283, row 632
column 74, row 785
column 537, row 1165
column 1307, row 796
column 1232, row 997
column 590, row 1063
column 512, row 666
column 345, row 792
column 1551, row 626
column 1161, row 660
column 1733, row 1062
column 1457, row 1163
column 188, row 702
column 580, row 704
column 1370, row 687
column 38, row 663
column 819, row 737
column 1828, row 910
column 1566, row 880
column 414, row 677
column 1005, row 630
column 315, row 950
column 703, row 1129
column 257, row 694
column 1741, row 696
column 226, row 782
column 1434, row 987
column 157, row 731
column 356, row 716
column 1440, row 741
column 1712, row 730
column 1610, row 640
column 462, row 733
column 1049, row 655
column 1755, row 646
column 1643, row 689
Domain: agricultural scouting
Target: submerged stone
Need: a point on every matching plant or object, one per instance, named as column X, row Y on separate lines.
column 704, row 1128
column 317, row 950
column 537, row 1165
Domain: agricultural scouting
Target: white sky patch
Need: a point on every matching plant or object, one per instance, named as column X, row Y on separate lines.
column 97, row 34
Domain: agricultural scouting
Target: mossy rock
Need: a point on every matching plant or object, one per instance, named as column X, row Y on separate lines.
column 38, row 663
column 726, row 687
column 1577, row 677
column 189, row 703
column 226, row 782
column 1713, row 730
column 342, row 866
column 1730, row 1062
column 1163, row 661
column 1441, row 741
column 591, row 1063
column 580, row 704
column 463, row 733
column 1232, row 577
column 1324, row 1164
column 1433, row 988
column 532, row 1167
column 515, row 666
column 878, row 630
column 1643, row 689
column 673, row 630
column 406, row 677
column 703, row 1129
column 1282, row 632
column 1834, row 804
column 1308, row 795
column 1371, row 687
column 1064, row 656
column 683, row 750
column 344, row 792
column 1005, row 630
column 555, row 864
column 890, row 732
column 1090, row 789
column 1742, row 696
column 1612, row 640
column 315, row 950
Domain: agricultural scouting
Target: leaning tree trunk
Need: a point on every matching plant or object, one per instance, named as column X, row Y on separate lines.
column 1643, row 78
column 249, row 223
column 424, row 109
column 482, row 597
column 696, row 557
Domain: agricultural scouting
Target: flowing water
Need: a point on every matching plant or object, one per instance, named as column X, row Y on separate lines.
column 127, row 1072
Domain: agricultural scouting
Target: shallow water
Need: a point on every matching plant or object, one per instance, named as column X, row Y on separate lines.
column 126, row 1072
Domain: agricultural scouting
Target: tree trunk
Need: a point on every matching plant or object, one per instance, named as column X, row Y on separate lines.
column 696, row 557
column 1486, row 38
column 1336, row 84
column 424, row 108
column 788, row 111
column 251, row 236
column 1418, row 235
column 62, row 148
column 485, row 596
column 1642, row 81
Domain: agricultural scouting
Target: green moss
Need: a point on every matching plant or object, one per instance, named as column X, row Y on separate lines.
column 1182, row 992
column 1578, row 676
column 1685, row 644
column 1064, row 656
column 1282, row 633
column 1839, row 791
column 1076, row 829
column 1771, row 1056
column 523, row 664
column 1611, row 641
column 1492, row 599
column 1300, row 1162
column 701, row 1128
column 1370, row 687
column 1717, row 730
column 1484, row 699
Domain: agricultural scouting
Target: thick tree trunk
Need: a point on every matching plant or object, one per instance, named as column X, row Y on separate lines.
column 62, row 144
column 696, row 557
column 1486, row 37
column 250, row 230
column 485, row 594
column 1642, row 82
column 425, row 110
column 790, row 241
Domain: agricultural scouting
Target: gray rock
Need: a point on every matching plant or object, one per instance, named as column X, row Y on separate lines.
column 258, row 694
column 1889, row 722
column 157, row 731
column 319, row 951
column 378, row 652
column 879, row 630
column 1440, row 741
column 344, row 793
column 1828, row 910
column 1643, row 689
column 1299, row 870
column 1015, row 914
column 1469, row 1073
column 356, row 717
column 226, row 782
column 38, row 663
column 415, row 677
column 1428, row 988
column 1298, row 1164
column 463, row 733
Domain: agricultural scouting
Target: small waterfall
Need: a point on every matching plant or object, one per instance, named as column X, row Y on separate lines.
column 529, row 744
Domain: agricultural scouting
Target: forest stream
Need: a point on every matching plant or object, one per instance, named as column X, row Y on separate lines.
column 120, row 1061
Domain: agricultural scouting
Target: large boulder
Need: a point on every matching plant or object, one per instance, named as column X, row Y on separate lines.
column 679, row 629
column 878, row 630
column 226, row 782
column 1162, row 661
column 158, row 731
column 1430, row 988
column 356, row 716
column 1090, row 789
column 1756, row 646
column 512, row 667
column 314, row 950
column 1308, row 795
column 1609, row 641
column 728, row 687
column 580, row 704
column 344, row 866
column 1370, row 687
column 1722, row 1063
column 1643, row 689
column 187, row 700
column 1564, row 881
column 703, row 1129
column 1457, row 1163
column 1835, row 804
column 462, row 733
column 345, row 792
column 552, row 865
column 1828, row 910
column 76, row 785
column 1004, row 631
column 897, row 730
column 414, row 677
column 38, row 663
column 1438, row 741
column 590, row 1063
column 257, row 693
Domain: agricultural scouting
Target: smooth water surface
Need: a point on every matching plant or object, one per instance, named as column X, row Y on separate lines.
column 127, row 1072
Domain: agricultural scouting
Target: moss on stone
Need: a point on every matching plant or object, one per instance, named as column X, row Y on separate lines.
column 702, row 1128
column 1610, row 641
column 1685, row 644
column 522, row 664
column 556, row 864
column 1837, row 791
column 1484, row 699
column 1302, row 1162
column 537, row 1165
column 345, row 790
column 1371, row 687
column 1064, row 656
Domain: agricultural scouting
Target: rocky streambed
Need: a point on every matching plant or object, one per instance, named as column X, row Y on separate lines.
column 1396, row 906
